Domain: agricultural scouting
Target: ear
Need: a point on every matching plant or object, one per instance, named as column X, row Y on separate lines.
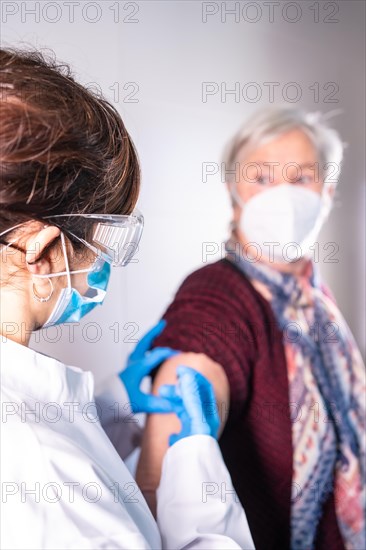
column 37, row 261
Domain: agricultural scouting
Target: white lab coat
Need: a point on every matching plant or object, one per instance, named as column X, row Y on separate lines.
column 65, row 486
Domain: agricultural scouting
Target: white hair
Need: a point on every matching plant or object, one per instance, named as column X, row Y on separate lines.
column 274, row 121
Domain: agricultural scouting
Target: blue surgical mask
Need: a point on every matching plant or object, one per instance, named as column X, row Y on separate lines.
column 71, row 306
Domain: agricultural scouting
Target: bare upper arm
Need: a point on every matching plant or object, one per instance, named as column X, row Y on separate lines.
column 159, row 426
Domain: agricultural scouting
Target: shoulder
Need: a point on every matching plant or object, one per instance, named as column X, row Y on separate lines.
column 223, row 275
column 217, row 269
column 222, row 287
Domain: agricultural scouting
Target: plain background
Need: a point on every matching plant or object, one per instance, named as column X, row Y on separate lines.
column 151, row 60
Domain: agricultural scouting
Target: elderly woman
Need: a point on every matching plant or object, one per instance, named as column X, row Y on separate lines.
column 262, row 325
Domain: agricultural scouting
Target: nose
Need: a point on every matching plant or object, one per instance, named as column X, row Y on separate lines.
column 278, row 181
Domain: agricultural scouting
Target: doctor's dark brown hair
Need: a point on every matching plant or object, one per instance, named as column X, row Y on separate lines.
column 63, row 149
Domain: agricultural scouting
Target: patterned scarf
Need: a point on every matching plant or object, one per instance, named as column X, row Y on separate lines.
column 327, row 400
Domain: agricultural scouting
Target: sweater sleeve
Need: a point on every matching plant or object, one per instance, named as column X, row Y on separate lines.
column 205, row 317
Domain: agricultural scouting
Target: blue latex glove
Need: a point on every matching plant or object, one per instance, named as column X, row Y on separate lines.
column 139, row 364
column 194, row 403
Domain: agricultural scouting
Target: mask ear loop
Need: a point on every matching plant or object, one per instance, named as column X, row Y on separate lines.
column 35, row 293
column 236, row 201
column 66, row 260
column 67, row 272
column 8, row 231
column 235, row 195
column 4, row 247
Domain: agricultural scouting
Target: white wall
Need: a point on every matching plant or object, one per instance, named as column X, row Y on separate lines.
column 168, row 53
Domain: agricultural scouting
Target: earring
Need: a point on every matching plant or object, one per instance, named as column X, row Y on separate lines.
column 43, row 298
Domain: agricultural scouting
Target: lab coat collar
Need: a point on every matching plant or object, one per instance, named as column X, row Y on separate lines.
column 30, row 373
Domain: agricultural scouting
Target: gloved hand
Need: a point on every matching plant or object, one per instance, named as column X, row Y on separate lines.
column 139, row 364
column 194, row 403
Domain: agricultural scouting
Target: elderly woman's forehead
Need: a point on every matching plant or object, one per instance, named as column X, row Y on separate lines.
column 294, row 143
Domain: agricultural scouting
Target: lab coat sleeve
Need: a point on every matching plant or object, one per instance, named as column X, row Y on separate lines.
column 197, row 506
column 122, row 426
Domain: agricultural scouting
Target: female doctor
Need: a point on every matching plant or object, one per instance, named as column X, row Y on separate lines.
column 69, row 183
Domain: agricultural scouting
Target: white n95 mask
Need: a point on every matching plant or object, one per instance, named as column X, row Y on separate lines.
column 284, row 221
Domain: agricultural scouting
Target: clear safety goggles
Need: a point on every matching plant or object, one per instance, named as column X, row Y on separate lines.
column 114, row 238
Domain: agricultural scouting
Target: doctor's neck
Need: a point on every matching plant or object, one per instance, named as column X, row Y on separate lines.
column 16, row 318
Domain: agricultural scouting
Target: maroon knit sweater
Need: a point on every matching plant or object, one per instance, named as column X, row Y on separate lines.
column 218, row 312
